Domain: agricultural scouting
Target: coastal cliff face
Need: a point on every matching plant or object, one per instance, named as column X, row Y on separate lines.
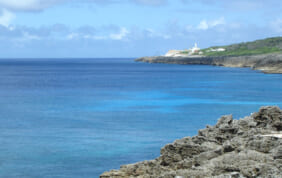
column 267, row 63
column 249, row 147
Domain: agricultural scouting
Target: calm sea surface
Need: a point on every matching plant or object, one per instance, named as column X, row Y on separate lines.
column 80, row 117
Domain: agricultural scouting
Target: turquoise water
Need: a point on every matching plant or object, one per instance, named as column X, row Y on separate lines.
column 81, row 117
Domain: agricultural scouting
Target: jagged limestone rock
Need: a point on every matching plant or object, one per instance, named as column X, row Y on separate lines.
column 249, row 147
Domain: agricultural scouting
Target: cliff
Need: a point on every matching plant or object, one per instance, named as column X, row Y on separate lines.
column 249, row 147
column 267, row 63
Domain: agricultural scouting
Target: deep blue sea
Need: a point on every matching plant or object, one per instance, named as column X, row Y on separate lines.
column 72, row 118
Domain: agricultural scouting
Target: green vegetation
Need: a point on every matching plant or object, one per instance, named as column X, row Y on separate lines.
column 265, row 46
column 184, row 52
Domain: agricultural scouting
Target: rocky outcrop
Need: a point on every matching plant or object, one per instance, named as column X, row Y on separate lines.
column 249, row 147
column 267, row 63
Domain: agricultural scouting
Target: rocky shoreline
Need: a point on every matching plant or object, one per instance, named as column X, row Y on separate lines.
column 267, row 63
column 249, row 147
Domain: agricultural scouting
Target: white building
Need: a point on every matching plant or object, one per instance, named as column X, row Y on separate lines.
column 183, row 53
column 195, row 49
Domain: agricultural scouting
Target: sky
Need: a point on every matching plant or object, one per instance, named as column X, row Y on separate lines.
column 130, row 28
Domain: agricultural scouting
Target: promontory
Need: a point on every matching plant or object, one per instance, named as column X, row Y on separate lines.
column 264, row 55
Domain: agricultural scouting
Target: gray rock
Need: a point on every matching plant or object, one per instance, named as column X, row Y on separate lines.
column 267, row 63
column 231, row 148
column 269, row 117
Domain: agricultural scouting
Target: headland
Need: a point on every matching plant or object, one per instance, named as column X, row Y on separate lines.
column 264, row 55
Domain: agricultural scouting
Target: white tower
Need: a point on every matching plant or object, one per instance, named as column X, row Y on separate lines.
column 195, row 49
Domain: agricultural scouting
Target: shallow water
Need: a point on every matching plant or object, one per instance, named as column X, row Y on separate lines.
column 81, row 117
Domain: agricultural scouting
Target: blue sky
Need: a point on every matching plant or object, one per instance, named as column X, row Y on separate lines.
column 130, row 28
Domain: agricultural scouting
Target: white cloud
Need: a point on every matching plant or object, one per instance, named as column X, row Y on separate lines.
column 100, row 34
column 204, row 24
column 95, row 37
column 216, row 22
column 121, row 35
column 38, row 5
column 6, row 18
column 152, row 34
column 28, row 5
column 72, row 36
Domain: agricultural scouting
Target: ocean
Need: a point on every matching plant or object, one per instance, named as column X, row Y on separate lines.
column 72, row 118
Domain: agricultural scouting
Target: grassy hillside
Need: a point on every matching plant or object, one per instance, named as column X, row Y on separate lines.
column 265, row 46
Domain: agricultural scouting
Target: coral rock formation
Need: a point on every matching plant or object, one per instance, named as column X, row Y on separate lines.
column 249, row 147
